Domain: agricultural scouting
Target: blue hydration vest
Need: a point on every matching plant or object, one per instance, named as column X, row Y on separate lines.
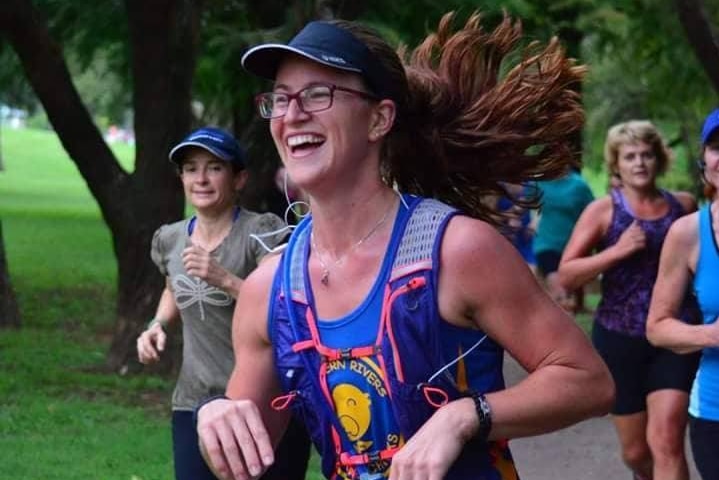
column 408, row 348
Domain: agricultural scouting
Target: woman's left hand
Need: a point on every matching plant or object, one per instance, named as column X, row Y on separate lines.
column 431, row 451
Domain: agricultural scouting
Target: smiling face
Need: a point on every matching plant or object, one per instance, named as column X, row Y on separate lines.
column 637, row 164
column 337, row 143
column 210, row 183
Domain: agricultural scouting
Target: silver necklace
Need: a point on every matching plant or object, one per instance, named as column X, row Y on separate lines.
column 325, row 278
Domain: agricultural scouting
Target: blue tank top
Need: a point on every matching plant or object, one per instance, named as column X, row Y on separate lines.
column 418, row 351
column 358, row 387
column 704, row 399
column 627, row 286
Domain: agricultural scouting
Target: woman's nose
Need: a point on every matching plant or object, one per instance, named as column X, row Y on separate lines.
column 295, row 110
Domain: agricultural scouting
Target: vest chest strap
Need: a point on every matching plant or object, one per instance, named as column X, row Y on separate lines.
column 367, row 458
column 331, row 354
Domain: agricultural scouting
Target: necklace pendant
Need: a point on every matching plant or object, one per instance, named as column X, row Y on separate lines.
column 325, row 278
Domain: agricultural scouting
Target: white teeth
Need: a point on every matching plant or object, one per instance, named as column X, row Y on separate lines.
column 300, row 139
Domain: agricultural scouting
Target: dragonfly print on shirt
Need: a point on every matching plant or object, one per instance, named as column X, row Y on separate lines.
column 190, row 290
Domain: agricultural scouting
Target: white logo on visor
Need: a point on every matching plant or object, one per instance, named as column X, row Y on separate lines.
column 328, row 58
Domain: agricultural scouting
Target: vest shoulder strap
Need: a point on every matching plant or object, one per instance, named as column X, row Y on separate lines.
column 417, row 248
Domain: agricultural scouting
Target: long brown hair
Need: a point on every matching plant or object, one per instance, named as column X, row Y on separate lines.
column 477, row 111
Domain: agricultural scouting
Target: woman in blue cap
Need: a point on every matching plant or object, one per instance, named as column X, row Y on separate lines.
column 690, row 262
column 384, row 323
column 205, row 260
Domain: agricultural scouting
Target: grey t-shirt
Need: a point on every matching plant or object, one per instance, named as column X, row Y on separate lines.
column 206, row 311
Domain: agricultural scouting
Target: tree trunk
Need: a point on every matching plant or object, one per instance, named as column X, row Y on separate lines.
column 701, row 36
column 9, row 311
column 163, row 41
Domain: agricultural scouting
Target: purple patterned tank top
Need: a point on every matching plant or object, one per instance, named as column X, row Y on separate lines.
column 627, row 286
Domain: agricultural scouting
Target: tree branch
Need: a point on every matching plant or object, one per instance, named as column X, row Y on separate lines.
column 701, row 36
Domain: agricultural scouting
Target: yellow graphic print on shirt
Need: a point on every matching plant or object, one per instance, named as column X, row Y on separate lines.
column 352, row 408
column 363, row 407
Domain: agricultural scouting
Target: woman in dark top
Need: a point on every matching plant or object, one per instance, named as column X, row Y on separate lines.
column 620, row 237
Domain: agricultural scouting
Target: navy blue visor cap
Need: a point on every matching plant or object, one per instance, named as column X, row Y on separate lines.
column 216, row 141
column 324, row 43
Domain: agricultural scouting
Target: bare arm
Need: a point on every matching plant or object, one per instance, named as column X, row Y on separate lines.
column 568, row 382
column 678, row 261
column 579, row 265
column 237, row 436
column 167, row 310
column 485, row 283
column 151, row 342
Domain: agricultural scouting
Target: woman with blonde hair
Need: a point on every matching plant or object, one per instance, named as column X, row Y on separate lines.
column 620, row 236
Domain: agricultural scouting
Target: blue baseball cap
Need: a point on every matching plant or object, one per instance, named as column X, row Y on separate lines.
column 216, row 141
column 327, row 44
column 710, row 126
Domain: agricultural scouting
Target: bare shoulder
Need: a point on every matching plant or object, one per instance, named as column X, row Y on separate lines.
column 477, row 267
column 595, row 219
column 600, row 207
column 469, row 236
column 684, row 232
column 687, row 201
column 261, row 278
column 469, row 241
column 681, row 245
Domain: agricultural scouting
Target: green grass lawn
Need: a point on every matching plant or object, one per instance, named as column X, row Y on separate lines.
column 60, row 417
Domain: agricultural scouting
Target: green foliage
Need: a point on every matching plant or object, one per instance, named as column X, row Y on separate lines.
column 38, row 120
column 542, row 19
column 637, row 51
column 221, row 87
column 643, row 67
column 15, row 90
column 94, row 36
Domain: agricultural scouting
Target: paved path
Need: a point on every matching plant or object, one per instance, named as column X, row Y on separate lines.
column 586, row 451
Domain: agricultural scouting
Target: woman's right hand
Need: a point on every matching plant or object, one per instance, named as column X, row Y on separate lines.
column 631, row 240
column 233, row 439
column 151, row 343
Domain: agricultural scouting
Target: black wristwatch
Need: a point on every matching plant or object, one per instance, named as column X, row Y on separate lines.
column 484, row 414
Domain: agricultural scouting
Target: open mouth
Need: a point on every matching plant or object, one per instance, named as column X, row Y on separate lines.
column 304, row 144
